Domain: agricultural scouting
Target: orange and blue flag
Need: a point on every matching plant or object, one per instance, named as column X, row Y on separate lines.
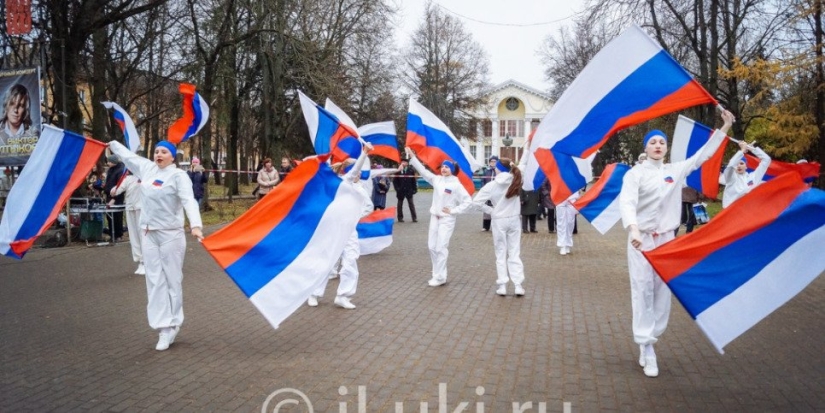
column 809, row 171
column 330, row 133
column 600, row 204
column 280, row 250
column 375, row 230
column 689, row 138
column 127, row 126
column 434, row 143
column 749, row 259
column 631, row 80
column 195, row 115
column 57, row 166
column 382, row 137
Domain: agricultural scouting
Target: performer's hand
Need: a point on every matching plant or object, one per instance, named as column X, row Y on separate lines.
column 368, row 146
column 197, row 233
column 445, row 210
column 409, row 151
column 635, row 237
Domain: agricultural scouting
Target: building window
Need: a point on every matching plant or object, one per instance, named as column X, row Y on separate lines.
column 488, row 152
column 487, row 128
column 474, row 151
column 511, row 127
column 82, row 96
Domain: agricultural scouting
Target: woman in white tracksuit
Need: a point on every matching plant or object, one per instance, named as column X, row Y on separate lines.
column 166, row 193
column 349, row 257
column 505, row 214
column 449, row 199
column 738, row 181
column 131, row 185
column 565, row 222
column 650, row 204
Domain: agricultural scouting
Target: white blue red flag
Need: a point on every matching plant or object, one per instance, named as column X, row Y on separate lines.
column 688, row 138
column 434, row 143
column 375, row 230
column 749, row 259
column 195, row 115
column 631, row 80
column 127, row 126
column 328, row 132
column 600, row 204
column 382, row 137
column 809, row 171
column 286, row 244
column 57, row 166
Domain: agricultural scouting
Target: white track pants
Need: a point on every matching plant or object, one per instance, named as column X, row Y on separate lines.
column 163, row 252
column 507, row 244
column 348, row 274
column 649, row 295
column 441, row 229
column 565, row 221
column 135, row 234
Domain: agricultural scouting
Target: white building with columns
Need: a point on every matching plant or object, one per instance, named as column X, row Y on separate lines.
column 513, row 111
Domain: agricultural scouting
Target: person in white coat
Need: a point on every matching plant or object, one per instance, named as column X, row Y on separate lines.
column 650, row 204
column 348, row 283
column 565, row 222
column 449, row 199
column 166, row 192
column 505, row 222
column 131, row 186
column 738, row 181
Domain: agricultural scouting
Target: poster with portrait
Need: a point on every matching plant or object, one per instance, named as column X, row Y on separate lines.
column 19, row 114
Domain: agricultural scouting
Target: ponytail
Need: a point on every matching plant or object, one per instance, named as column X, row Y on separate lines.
column 515, row 186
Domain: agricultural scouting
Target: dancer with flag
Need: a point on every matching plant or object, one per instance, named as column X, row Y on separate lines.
column 449, row 199
column 504, row 209
column 166, row 193
column 650, row 202
column 738, row 181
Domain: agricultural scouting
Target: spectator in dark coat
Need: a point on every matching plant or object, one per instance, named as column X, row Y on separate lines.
column 405, row 187
column 548, row 205
column 199, row 179
column 113, row 175
column 529, row 210
column 487, row 176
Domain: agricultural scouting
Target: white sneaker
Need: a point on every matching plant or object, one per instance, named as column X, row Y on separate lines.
column 502, row 290
column 333, row 275
column 651, row 368
column 173, row 333
column 563, row 251
column 435, row 282
column 519, row 290
column 140, row 270
column 163, row 340
column 312, row 301
column 344, row 302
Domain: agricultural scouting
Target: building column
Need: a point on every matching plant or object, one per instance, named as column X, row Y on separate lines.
column 495, row 140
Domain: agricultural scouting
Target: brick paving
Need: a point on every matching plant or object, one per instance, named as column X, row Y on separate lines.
column 75, row 338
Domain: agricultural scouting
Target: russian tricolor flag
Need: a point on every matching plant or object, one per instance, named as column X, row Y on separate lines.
column 57, row 166
column 331, row 133
column 382, row 137
column 286, row 244
column 600, row 204
column 749, row 259
column 808, row 171
column 375, row 230
column 433, row 144
column 688, row 138
column 195, row 115
column 127, row 126
column 631, row 80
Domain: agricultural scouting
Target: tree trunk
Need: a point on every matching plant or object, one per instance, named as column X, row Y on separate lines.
column 820, row 91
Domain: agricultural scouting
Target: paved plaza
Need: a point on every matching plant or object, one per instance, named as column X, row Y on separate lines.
column 74, row 337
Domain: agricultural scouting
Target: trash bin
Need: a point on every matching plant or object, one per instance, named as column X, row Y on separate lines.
column 91, row 230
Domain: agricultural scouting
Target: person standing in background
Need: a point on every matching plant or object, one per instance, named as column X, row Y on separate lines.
column 199, row 178
column 268, row 177
column 405, row 187
column 487, row 176
column 113, row 177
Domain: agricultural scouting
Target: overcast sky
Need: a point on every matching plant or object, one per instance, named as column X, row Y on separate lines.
column 510, row 31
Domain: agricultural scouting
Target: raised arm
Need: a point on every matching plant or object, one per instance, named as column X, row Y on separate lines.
column 137, row 164
column 419, row 167
column 764, row 163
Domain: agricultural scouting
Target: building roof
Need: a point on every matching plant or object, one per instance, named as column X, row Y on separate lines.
column 517, row 85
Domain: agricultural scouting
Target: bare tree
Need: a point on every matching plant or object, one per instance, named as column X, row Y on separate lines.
column 447, row 69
